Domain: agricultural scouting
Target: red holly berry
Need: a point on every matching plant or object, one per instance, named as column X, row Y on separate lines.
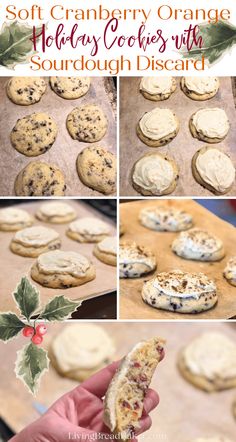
column 41, row 329
column 37, row 339
column 28, row 331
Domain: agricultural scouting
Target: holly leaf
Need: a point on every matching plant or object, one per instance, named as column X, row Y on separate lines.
column 59, row 309
column 10, row 326
column 32, row 362
column 27, row 298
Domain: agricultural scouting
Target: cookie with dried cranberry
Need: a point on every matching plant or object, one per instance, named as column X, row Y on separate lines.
column 87, row 123
column 70, row 88
column 26, row 90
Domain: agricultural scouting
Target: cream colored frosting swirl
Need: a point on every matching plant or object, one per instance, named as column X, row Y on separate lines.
column 132, row 253
column 56, row 208
column 156, row 85
column 202, row 85
column 165, row 219
column 153, row 173
column 36, row 236
column 63, row 262
column 11, row 215
column 211, row 122
column 158, row 123
column 108, row 245
column 216, row 169
column 92, row 226
column 196, row 242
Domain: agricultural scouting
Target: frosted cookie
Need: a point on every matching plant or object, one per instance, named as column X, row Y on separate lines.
column 96, row 168
column 199, row 245
column 56, row 212
column 70, row 88
column 157, row 88
column 214, row 170
column 40, row 179
column 209, row 362
column 165, row 219
column 26, row 90
column 180, row 292
column 88, row 230
column 80, row 350
column 200, row 88
column 106, row 250
column 212, row 439
column 13, row 219
column 34, row 134
column 62, row 270
column 158, row 127
column 155, row 174
column 33, row 241
column 230, row 271
column 209, row 124
column 135, row 260
column 87, row 123
column 124, row 400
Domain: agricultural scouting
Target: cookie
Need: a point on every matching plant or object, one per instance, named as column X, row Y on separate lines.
column 80, row 350
column 209, row 124
column 209, row 362
column 198, row 244
column 200, row 88
column 34, row 134
column 26, row 90
column 33, row 241
column 70, row 88
column 230, row 271
column 181, row 292
column 154, row 174
column 56, row 212
column 13, row 219
column 62, row 270
column 214, row 170
column 88, row 230
column 165, row 219
column 87, row 123
column 40, row 179
column 157, row 88
column 106, row 250
column 135, row 260
column 158, row 127
column 96, row 168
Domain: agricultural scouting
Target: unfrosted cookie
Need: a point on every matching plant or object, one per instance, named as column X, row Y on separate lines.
column 200, row 88
column 158, row 127
column 106, row 250
column 230, row 271
column 87, row 123
column 13, row 219
column 88, row 230
column 199, row 245
column 209, row 362
column 157, row 88
column 61, row 270
column 80, row 350
column 209, row 124
column 40, row 179
column 96, row 168
column 135, row 260
column 214, row 170
column 181, row 292
column 33, row 241
column 26, row 90
column 56, row 212
column 165, row 219
column 154, row 174
column 70, row 87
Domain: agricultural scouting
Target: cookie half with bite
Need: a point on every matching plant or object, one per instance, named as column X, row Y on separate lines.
column 70, row 88
column 230, row 271
column 13, row 219
column 165, row 219
column 33, row 241
column 26, row 90
column 88, row 229
column 209, row 124
column 87, row 123
column 56, row 212
column 200, row 88
column 158, row 127
column 157, row 88
column 135, row 260
column 106, row 250
column 40, row 179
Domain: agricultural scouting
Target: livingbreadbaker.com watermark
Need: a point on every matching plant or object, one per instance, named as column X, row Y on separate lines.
column 118, row 436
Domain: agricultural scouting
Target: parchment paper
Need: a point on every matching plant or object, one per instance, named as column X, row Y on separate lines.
column 65, row 150
column 184, row 411
column 133, row 105
column 131, row 303
column 14, row 267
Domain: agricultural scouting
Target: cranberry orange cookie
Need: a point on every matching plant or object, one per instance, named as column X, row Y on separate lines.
column 154, row 174
column 61, row 270
column 88, row 230
column 87, row 123
column 40, row 179
column 210, row 125
column 157, row 88
column 124, row 400
column 33, row 241
column 135, row 260
column 180, row 292
column 158, row 127
column 56, row 212
column 26, row 90
column 209, row 362
column 199, row 245
column 230, row 271
column 214, row 170
column 106, row 250
column 70, row 87
column 165, row 219
column 13, row 219
column 200, row 88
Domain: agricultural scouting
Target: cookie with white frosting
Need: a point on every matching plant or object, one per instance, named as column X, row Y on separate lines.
column 26, row 90
column 70, row 88
column 157, row 88
column 56, row 212
column 209, row 362
column 214, row 170
column 209, row 124
column 180, row 292
column 106, row 250
column 33, row 241
column 200, row 88
column 230, row 271
column 88, row 229
column 158, row 127
column 13, row 219
column 155, row 174
column 165, row 219
column 135, row 260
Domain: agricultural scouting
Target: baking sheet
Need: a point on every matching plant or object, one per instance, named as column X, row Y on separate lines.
column 65, row 150
column 184, row 411
column 14, row 267
column 133, row 105
column 131, row 303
